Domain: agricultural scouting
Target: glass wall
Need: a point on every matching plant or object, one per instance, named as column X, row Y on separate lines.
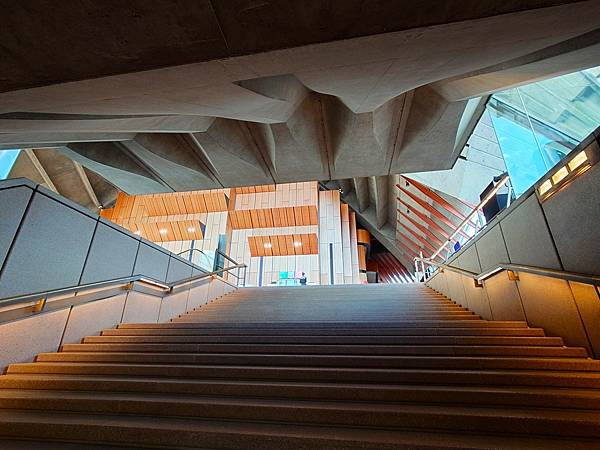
column 537, row 124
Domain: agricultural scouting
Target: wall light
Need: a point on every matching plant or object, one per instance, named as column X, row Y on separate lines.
column 560, row 174
column 545, row 187
column 567, row 173
column 163, row 231
column 268, row 245
column 577, row 161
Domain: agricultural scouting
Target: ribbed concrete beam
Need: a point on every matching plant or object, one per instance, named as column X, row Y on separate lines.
column 173, row 159
column 87, row 185
column 41, row 170
column 379, row 194
column 115, row 164
column 361, row 190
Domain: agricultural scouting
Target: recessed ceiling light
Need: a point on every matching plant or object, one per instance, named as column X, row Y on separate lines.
column 297, row 244
column 268, row 245
column 138, row 232
column 191, row 229
column 163, row 231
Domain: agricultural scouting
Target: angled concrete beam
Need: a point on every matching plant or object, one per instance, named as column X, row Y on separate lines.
column 40, row 168
column 434, row 226
column 418, row 237
column 421, row 228
column 114, row 163
column 361, row 188
column 435, row 197
column 433, row 211
column 378, row 192
column 87, row 185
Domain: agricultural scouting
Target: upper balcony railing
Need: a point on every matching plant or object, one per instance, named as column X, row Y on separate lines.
column 470, row 226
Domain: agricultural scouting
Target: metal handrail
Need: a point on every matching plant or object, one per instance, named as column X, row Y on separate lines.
column 505, row 178
column 543, row 271
column 43, row 296
column 192, row 250
column 227, row 257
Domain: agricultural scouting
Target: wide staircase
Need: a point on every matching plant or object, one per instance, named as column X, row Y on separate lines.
column 348, row 367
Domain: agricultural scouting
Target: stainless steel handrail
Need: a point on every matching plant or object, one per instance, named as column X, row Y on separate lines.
column 192, row 250
column 543, row 271
column 227, row 257
column 43, row 296
column 467, row 220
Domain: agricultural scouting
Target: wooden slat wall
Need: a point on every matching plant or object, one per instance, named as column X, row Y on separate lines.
column 216, row 224
column 283, row 245
column 284, row 195
column 273, row 217
column 140, row 207
column 241, row 251
column 255, row 189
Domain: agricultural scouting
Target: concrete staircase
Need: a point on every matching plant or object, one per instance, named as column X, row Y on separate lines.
column 348, row 367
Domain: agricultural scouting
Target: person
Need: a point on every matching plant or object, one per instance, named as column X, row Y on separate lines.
column 303, row 279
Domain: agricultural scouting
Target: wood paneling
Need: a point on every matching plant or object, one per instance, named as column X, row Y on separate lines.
column 255, row 189
column 139, row 207
column 273, row 217
column 179, row 230
column 363, row 236
column 283, row 245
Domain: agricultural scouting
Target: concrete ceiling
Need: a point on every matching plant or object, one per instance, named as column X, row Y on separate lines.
column 165, row 96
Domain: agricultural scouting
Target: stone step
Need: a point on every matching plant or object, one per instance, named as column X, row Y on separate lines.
column 316, row 325
column 333, row 303
column 392, row 309
column 533, row 396
column 296, row 349
column 330, row 340
column 170, row 432
column 315, row 360
column 333, row 331
column 457, row 418
column 273, row 316
column 483, row 376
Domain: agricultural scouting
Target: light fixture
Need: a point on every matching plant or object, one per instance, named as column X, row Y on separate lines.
column 564, row 175
column 577, row 161
column 560, row 174
column 137, row 232
column 297, row 244
column 545, row 187
column 268, row 245
column 163, row 231
column 191, row 229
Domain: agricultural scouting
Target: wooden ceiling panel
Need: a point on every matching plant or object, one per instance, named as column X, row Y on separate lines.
column 274, row 217
column 283, row 245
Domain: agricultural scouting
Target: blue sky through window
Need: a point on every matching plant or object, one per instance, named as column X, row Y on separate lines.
column 7, row 159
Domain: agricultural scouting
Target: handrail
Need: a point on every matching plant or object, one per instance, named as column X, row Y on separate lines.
column 467, row 220
column 122, row 281
column 543, row 271
column 192, row 250
column 227, row 257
